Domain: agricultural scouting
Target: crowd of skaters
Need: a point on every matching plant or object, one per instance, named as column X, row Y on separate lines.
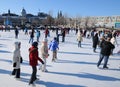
column 105, row 40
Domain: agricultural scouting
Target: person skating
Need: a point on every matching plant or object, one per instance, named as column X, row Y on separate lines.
column 106, row 48
column 79, row 38
column 31, row 36
column 33, row 61
column 53, row 46
column 95, row 42
column 44, row 53
column 17, row 60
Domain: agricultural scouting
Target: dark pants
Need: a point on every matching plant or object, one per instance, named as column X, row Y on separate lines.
column 33, row 76
column 94, row 49
column 58, row 38
column 105, row 60
column 63, row 39
column 79, row 43
column 16, row 72
column 16, row 36
column 46, row 35
column 31, row 40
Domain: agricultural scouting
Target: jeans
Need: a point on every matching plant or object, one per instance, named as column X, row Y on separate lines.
column 31, row 40
column 105, row 60
column 79, row 43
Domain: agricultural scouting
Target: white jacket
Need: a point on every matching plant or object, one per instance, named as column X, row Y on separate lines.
column 44, row 50
column 79, row 37
column 16, row 55
column 113, row 41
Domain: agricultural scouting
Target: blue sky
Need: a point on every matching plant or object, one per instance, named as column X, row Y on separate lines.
column 70, row 7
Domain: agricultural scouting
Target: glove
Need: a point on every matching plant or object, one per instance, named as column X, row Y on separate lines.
column 21, row 59
column 48, row 54
column 42, row 62
column 14, row 64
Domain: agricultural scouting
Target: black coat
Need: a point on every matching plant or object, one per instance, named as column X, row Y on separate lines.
column 106, row 48
column 95, row 41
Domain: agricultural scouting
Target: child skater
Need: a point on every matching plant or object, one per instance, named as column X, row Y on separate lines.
column 17, row 59
column 53, row 46
column 44, row 53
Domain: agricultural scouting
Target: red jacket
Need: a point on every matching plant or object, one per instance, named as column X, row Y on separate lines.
column 33, row 56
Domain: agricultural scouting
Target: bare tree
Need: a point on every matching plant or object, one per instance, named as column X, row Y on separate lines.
column 87, row 22
column 79, row 21
column 93, row 21
column 50, row 19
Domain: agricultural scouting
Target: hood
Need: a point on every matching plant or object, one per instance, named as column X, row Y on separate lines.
column 17, row 45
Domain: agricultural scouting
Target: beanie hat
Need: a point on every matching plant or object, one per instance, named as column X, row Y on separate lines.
column 55, row 38
column 35, row 44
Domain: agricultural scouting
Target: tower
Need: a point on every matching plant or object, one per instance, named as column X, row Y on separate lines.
column 23, row 13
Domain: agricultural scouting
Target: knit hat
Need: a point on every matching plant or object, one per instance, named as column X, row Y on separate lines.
column 35, row 44
column 55, row 38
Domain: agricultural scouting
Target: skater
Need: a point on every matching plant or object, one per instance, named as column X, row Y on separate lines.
column 37, row 35
column 33, row 61
column 106, row 48
column 44, row 53
column 31, row 36
column 63, row 35
column 26, row 31
column 95, row 42
column 53, row 47
column 46, row 32
column 17, row 59
column 79, row 38
column 16, row 33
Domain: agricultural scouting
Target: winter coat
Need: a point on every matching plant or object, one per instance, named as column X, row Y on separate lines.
column 44, row 50
column 101, row 43
column 53, row 45
column 95, row 41
column 113, row 41
column 32, row 33
column 33, row 56
column 79, row 37
column 38, row 34
column 16, row 55
column 63, row 33
column 106, row 48
column 46, row 31
column 16, row 31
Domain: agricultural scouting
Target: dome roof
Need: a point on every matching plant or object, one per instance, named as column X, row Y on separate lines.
column 23, row 12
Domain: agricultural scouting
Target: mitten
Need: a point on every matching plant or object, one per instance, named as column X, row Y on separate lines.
column 14, row 64
column 21, row 59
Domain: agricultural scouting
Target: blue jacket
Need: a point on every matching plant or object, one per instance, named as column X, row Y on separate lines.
column 38, row 33
column 53, row 45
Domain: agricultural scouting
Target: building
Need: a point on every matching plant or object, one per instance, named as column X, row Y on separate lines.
column 14, row 19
